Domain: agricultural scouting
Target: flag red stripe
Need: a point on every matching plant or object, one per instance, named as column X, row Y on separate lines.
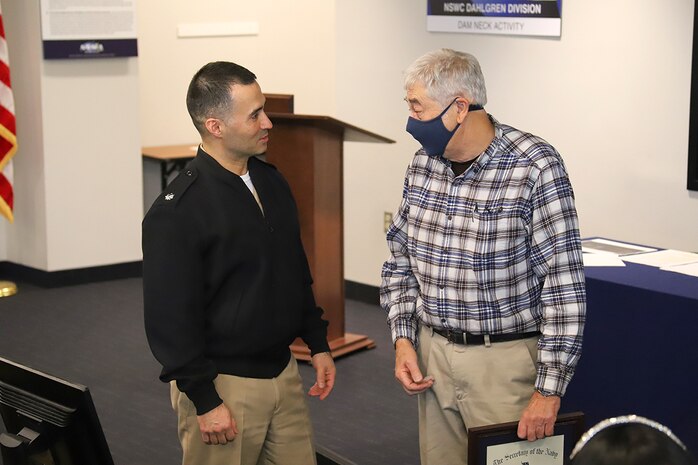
column 8, row 120
column 5, row 73
column 6, row 190
column 5, row 147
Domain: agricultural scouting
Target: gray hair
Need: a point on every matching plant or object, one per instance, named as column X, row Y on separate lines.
column 447, row 74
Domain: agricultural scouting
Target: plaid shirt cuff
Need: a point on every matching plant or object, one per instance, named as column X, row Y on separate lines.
column 404, row 327
column 552, row 381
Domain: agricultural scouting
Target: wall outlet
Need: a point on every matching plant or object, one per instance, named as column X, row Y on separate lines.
column 387, row 220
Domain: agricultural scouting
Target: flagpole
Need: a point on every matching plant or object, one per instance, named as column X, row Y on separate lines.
column 7, row 288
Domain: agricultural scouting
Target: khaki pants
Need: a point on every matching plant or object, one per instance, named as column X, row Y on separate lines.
column 272, row 420
column 473, row 386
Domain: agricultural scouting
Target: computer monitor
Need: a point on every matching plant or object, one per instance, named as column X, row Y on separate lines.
column 48, row 420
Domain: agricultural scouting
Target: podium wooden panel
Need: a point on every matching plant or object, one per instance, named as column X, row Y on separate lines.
column 308, row 150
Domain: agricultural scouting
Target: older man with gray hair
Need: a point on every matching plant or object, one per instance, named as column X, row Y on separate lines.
column 484, row 287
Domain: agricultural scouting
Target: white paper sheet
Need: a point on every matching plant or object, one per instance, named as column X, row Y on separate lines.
column 612, row 247
column 602, row 259
column 691, row 269
column 663, row 258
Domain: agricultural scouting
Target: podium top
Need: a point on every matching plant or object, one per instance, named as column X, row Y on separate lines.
column 350, row 132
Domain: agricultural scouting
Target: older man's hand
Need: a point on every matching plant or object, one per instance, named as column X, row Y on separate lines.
column 407, row 370
column 538, row 419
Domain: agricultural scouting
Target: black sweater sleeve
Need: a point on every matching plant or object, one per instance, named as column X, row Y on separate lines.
column 173, row 292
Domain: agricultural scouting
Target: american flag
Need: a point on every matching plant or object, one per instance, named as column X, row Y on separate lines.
column 8, row 130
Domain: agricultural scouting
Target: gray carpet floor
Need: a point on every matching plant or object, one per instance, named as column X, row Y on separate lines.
column 93, row 335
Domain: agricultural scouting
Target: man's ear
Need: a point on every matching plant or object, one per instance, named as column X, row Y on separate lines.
column 462, row 106
column 213, row 126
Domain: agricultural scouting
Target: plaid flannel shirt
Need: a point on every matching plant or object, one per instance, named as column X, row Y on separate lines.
column 494, row 250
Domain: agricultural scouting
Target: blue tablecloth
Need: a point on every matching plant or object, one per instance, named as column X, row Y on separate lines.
column 640, row 351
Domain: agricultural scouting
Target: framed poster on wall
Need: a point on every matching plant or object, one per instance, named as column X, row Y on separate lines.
column 509, row 17
column 88, row 28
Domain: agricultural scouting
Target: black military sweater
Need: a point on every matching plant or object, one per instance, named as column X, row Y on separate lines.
column 226, row 287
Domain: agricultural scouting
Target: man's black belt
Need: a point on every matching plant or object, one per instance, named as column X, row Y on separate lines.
column 465, row 338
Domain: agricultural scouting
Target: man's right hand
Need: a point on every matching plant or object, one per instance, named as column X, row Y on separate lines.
column 217, row 426
column 407, row 370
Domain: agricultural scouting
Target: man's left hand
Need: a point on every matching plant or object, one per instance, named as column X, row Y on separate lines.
column 538, row 419
column 325, row 373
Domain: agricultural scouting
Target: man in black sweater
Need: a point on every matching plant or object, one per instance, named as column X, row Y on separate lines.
column 227, row 288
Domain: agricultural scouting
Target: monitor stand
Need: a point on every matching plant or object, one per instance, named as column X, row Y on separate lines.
column 15, row 448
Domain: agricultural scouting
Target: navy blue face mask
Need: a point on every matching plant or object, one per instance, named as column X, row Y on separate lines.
column 432, row 134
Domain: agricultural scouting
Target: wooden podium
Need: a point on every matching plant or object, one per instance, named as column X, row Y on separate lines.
column 308, row 150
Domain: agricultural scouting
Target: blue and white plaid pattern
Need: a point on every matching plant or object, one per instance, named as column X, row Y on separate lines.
column 495, row 250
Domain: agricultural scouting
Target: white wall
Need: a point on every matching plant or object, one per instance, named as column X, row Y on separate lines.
column 78, row 169
column 294, row 53
column 612, row 95
column 93, row 167
column 26, row 238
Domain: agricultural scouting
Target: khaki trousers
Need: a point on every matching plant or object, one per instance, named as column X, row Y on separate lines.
column 272, row 420
column 473, row 386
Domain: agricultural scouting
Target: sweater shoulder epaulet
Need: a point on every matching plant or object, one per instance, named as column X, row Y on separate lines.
column 177, row 189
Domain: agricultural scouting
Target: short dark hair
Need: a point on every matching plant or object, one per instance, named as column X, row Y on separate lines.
column 209, row 90
column 632, row 444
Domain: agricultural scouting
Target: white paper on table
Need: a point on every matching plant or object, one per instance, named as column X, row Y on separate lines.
column 612, row 247
column 663, row 258
column 690, row 269
column 602, row 259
